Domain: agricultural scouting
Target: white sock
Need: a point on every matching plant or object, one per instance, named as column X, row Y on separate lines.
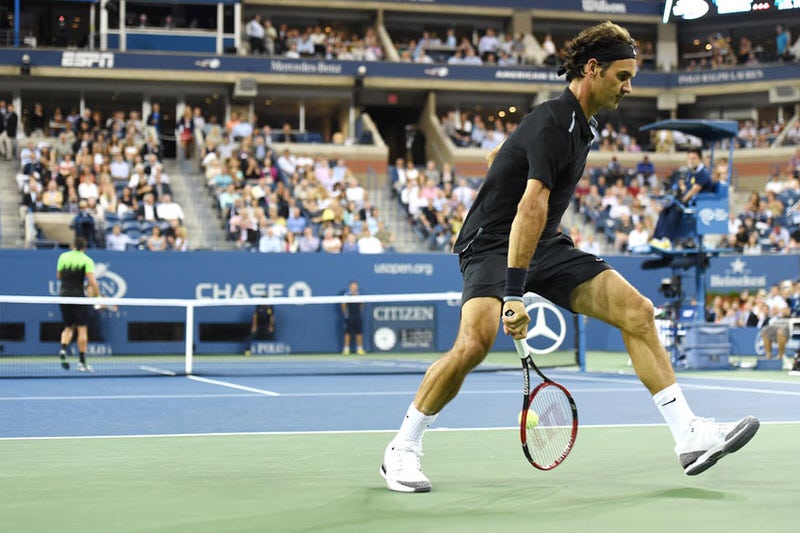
column 414, row 425
column 676, row 412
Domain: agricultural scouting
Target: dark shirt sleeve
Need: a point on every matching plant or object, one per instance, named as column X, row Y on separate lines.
column 547, row 146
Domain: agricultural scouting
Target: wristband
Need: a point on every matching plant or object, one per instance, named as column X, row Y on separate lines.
column 515, row 281
column 507, row 299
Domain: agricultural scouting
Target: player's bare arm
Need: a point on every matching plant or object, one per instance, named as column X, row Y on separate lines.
column 526, row 229
column 94, row 288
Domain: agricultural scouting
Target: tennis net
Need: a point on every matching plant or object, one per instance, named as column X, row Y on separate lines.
column 400, row 333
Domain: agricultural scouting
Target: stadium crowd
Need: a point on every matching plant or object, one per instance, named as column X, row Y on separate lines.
column 288, row 201
column 106, row 172
column 491, row 45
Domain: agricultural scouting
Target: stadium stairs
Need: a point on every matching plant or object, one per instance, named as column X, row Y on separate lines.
column 202, row 221
column 11, row 231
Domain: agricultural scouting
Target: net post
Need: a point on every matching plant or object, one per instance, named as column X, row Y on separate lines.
column 189, row 347
column 580, row 341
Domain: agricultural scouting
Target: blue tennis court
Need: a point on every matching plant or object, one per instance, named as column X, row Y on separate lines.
column 244, row 453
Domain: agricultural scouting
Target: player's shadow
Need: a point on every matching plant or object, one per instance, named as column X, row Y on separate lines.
column 689, row 493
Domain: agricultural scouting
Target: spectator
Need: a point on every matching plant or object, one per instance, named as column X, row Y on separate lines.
column 255, row 34
column 638, row 237
column 589, row 244
column 84, row 224
column 368, row 243
column 52, row 197
column 117, row 241
column 308, row 242
column 185, row 132
column 156, row 242
column 154, row 119
column 271, row 241
column 783, row 40
column 270, row 37
column 147, row 210
column 169, row 210
column 330, row 242
column 549, row 47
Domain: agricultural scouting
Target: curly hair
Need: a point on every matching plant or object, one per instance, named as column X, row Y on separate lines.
column 589, row 43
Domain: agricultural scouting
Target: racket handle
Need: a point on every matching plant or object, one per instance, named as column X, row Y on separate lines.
column 522, row 349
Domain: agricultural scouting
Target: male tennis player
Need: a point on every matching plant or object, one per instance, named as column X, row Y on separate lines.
column 510, row 245
column 74, row 269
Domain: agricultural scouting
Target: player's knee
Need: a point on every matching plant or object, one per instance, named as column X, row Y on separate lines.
column 471, row 350
column 638, row 315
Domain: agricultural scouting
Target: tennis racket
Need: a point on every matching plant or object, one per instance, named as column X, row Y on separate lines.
column 549, row 442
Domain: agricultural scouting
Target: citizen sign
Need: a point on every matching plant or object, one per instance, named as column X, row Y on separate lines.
column 403, row 313
column 74, row 59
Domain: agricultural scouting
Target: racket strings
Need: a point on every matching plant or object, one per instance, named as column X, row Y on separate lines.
column 550, row 440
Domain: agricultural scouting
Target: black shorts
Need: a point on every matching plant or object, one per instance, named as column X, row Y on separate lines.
column 558, row 268
column 353, row 326
column 75, row 315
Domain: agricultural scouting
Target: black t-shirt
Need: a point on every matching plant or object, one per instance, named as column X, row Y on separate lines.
column 263, row 319
column 550, row 145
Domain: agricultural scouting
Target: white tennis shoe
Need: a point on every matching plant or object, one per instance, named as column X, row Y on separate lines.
column 85, row 367
column 401, row 468
column 707, row 442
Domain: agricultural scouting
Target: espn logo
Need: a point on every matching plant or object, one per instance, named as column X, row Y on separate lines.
column 72, row 59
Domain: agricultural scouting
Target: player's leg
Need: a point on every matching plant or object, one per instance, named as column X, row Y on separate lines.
column 360, row 342
column 699, row 442
column 66, row 338
column 68, row 317
column 83, row 344
column 82, row 326
column 476, row 334
column 346, row 341
column 478, row 328
column 610, row 298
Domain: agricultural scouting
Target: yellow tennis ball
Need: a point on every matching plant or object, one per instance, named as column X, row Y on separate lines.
column 531, row 422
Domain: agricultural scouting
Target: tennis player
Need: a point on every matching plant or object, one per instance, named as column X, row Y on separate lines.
column 509, row 244
column 74, row 269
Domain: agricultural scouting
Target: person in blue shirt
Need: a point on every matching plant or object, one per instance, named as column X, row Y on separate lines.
column 698, row 179
column 782, row 38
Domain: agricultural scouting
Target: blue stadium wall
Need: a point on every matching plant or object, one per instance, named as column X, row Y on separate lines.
column 317, row 328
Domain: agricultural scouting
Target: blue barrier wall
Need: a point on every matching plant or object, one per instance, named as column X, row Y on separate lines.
column 232, row 275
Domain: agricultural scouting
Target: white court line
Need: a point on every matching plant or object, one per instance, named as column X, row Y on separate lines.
column 336, row 432
column 124, row 397
column 233, row 386
column 155, row 370
column 282, row 395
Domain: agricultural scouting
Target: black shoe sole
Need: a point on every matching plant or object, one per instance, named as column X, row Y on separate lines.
column 730, row 446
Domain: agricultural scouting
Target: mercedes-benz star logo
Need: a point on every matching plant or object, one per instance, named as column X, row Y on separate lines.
column 542, row 329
